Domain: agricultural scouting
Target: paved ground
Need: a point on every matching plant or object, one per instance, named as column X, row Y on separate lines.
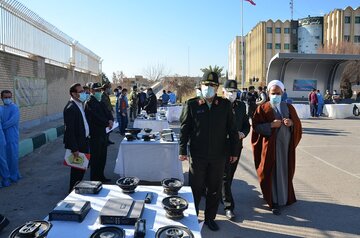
column 327, row 185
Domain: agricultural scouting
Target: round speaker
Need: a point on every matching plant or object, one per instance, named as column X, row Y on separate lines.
column 128, row 184
column 174, row 232
column 171, row 186
column 32, row 229
column 174, row 206
column 109, row 232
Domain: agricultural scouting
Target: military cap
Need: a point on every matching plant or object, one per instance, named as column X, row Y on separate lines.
column 96, row 86
column 230, row 85
column 211, row 78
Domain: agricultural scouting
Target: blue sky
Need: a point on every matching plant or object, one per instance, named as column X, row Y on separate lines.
column 131, row 35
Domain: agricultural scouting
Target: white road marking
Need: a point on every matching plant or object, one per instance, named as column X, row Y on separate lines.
column 331, row 165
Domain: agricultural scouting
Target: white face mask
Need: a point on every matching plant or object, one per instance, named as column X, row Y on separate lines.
column 230, row 95
column 207, row 91
column 198, row 93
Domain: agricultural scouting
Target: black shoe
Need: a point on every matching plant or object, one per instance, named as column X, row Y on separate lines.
column 276, row 210
column 212, row 225
column 3, row 222
column 229, row 214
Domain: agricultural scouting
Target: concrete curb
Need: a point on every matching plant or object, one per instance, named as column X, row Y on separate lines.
column 28, row 145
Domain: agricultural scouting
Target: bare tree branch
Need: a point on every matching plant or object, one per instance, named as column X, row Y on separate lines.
column 156, row 72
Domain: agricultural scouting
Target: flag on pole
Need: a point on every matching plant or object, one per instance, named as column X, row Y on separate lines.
column 251, row 1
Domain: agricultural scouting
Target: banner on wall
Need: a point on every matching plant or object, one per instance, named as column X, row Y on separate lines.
column 304, row 84
column 30, row 91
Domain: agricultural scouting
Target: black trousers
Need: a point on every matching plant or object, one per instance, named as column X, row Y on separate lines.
column 206, row 173
column 98, row 151
column 76, row 175
column 228, row 177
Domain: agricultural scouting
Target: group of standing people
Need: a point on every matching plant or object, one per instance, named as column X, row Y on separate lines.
column 211, row 133
column 9, row 140
column 137, row 101
column 86, row 117
column 167, row 98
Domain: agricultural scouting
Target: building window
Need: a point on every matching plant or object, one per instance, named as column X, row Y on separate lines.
column 278, row 46
column 317, row 37
column 286, row 46
column 269, row 46
column 357, row 39
column 347, row 38
column 357, row 20
column 295, row 47
column 299, row 39
column 278, row 30
column 287, row 30
column 294, row 31
column 347, row 20
column 268, row 29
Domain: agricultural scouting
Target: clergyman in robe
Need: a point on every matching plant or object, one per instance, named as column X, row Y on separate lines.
column 276, row 133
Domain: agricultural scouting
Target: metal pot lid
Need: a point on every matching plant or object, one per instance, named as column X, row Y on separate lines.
column 174, row 232
column 109, row 232
column 32, row 229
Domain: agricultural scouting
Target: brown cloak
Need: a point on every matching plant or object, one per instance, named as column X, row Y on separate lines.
column 264, row 150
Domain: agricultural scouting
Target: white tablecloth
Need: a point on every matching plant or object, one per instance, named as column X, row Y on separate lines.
column 303, row 110
column 338, row 111
column 153, row 213
column 173, row 113
column 149, row 160
column 155, row 125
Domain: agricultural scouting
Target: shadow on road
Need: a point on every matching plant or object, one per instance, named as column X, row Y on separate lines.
column 324, row 132
column 257, row 220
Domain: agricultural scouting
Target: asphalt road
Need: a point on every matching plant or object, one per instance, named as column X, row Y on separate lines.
column 327, row 186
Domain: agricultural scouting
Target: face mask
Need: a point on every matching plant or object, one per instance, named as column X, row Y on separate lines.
column 98, row 95
column 87, row 96
column 198, row 93
column 231, row 96
column 207, row 91
column 275, row 99
column 83, row 97
column 7, row 101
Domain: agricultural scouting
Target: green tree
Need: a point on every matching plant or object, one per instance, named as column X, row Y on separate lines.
column 104, row 79
column 216, row 69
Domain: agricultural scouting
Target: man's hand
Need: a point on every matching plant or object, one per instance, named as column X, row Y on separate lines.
column 75, row 154
column 288, row 122
column 111, row 123
column 183, row 157
column 233, row 159
column 276, row 124
column 241, row 135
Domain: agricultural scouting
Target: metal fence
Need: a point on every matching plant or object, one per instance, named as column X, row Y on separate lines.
column 24, row 32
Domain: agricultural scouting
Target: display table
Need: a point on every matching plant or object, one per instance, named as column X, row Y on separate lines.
column 338, row 111
column 303, row 110
column 155, row 125
column 173, row 113
column 153, row 213
column 149, row 160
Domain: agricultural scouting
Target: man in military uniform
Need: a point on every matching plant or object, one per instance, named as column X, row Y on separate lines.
column 105, row 99
column 206, row 122
column 243, row 128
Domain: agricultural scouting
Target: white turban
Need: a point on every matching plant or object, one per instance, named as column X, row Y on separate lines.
column 276, row 83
